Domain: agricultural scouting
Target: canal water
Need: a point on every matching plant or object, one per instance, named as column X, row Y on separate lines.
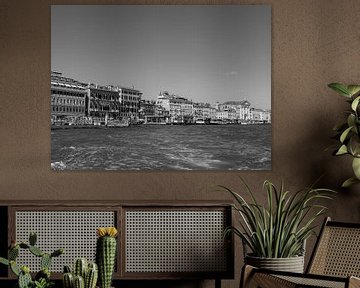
column 163, row 147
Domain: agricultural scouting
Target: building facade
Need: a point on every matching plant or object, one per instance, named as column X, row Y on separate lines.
column 103, row 104
column 260, row 116
column 68, row 100
column 130, row 103
column 180, row 109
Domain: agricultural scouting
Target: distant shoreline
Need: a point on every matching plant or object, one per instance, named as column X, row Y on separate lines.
column 66, row 127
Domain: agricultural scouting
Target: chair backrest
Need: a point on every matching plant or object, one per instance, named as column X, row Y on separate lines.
column 337, row 251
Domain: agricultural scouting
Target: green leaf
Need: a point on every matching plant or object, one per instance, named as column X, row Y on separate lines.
column 340, row 88
column 4, row 261
column 354, row 145
column 345, row 134
column 279, row 228
column 349, row 182
column 14, row 268
column 356, row 167
column 353, row 89
column 342, row 150
column 351, row 120
column 355, row 103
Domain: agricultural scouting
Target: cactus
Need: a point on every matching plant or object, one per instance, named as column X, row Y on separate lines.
column 13, row 253
column 44, row 273
column 24, row 280
column 45, row 261
column 42, row 278
column 91, row 276
column 36, row 251
column 105, row 255
column 88, row 273
column 67, row 269
column 57, row 253
column 79, row 282
column 14, row 268
column 68, row 280
column 80, row 267
column 4, row 261
column 32, row 238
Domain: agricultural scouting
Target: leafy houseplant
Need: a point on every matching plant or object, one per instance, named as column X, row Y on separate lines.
column 349, row 132
column 280, row 228
column 42, row 278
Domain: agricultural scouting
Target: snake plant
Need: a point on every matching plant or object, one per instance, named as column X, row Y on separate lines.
column 279, row 228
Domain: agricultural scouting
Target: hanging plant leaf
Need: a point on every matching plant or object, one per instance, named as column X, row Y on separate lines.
column 351, row 120
column 354, row 145
column 353, row 89
column 349, row 182
column 345, row 134
column 340, row 88
column 355, row 103
column 356, row 167
column 342, row 150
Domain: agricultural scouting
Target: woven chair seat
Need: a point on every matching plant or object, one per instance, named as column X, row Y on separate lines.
column 335, row 262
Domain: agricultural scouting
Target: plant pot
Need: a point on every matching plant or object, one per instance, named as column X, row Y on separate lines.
column 291, row 264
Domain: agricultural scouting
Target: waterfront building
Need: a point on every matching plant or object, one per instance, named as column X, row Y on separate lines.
column 203, row 111
column 260, row 115
column 152, row 113
column 147, row 108
column 242, row 109
column 67, row 100
column 130, row 103
column 227, row 113
column 103, row 104
column 180, row 109
column 267, row 116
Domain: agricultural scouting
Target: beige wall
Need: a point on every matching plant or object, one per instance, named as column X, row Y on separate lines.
column 314, row 42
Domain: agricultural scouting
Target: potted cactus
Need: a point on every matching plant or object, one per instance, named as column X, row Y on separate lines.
column 84, row 275
column 42, row 278
column 106, row 254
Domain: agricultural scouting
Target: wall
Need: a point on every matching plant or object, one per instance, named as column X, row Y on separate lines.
column 314, row 43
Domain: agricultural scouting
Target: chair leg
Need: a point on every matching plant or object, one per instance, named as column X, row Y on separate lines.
column 246, row 273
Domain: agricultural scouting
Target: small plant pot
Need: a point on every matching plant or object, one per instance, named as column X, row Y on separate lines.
column 291, row 264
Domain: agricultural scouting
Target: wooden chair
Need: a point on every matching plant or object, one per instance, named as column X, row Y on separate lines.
column 334, row 263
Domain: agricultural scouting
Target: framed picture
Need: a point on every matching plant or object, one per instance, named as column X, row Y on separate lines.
column 161, row 87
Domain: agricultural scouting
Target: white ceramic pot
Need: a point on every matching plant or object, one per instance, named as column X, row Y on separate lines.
column 291, row 264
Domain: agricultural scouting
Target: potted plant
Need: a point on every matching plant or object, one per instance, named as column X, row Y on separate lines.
column 275, row 233
column 106, row 254
column 84, row 274
column 42, row 278
column 348, row 132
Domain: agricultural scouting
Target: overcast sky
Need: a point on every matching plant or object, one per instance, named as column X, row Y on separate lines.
column 204, row 53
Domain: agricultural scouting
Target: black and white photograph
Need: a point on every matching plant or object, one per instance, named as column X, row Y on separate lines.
column 161, row 87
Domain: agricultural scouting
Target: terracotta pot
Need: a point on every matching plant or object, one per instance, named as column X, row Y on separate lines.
column 291, row 264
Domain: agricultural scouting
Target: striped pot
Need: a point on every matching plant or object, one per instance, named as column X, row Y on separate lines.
column 291, row 264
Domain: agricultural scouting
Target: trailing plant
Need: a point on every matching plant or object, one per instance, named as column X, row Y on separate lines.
column 106, row 254
column 280, row 228
column 84, row 274
column 42, row 278
column 348, row 132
